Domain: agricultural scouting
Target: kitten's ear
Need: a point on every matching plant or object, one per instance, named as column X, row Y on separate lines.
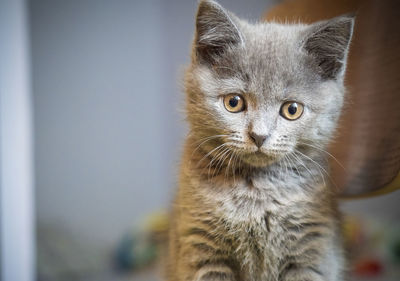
column 328, row 43
column 215, row 31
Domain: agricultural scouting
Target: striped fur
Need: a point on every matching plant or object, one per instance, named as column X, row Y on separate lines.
column 227, row 230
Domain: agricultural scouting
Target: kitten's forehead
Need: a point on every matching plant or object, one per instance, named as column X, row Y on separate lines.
column 272, row 36
column 271, row 58
column 274, row 46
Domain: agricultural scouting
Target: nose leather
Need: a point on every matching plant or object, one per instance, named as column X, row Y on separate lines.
column 257, row 139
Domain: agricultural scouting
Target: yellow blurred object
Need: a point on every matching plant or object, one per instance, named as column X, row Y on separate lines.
column 157, row 222
column 391, row 187
column 352, row 230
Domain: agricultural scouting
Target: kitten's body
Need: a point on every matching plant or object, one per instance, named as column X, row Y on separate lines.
column 245, row 213
column 255, row 227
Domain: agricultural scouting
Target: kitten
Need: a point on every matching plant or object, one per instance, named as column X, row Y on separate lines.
column 254, row 201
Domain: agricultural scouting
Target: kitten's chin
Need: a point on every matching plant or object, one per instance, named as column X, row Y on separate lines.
column 259, row 159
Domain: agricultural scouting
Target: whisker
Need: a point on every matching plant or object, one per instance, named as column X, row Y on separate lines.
column 293, row 163
column 210, row 152
column 209, row 137
column 236, row 159
column 320, row 168
column 206, row 139
column 312, row 160
column 322, row 150
column 305, row 167
column 221, row 162
column 219, row 158
column 229, row 162
column 286, row 164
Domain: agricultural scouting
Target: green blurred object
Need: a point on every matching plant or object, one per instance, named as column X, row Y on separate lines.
column 142, row 246
column 135, row 251
column 395, row 247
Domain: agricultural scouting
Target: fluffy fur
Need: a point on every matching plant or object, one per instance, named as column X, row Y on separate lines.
column 246, row 213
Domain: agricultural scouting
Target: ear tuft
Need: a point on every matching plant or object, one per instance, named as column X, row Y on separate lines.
column 215, row 31
column 328, row 42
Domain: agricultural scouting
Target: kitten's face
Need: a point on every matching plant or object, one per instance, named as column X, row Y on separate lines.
column 266, row 90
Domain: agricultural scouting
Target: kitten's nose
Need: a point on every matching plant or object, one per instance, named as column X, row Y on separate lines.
column 258, row 139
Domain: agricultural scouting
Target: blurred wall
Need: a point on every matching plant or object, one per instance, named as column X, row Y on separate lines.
column 106, row 86
column 16, row 182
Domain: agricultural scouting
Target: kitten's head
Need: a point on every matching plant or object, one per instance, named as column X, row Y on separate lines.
column 264, row 90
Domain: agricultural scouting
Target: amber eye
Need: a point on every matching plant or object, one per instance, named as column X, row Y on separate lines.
column 234, row 103
column 292, row 110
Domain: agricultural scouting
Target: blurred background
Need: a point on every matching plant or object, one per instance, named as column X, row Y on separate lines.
column 90, row 141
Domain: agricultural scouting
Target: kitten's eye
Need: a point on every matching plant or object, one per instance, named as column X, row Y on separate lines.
column 292, row 110
column 234, row 103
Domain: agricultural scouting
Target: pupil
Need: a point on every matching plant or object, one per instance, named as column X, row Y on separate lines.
column 292, row 109
column 233, row 102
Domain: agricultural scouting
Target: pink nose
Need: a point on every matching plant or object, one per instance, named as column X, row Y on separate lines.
column 258, row 139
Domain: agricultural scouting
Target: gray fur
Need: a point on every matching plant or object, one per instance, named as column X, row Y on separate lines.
column 268, row 214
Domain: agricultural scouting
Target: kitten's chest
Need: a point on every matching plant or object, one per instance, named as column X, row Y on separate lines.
column 259, row 201
column 260, row 246
column 255, row 212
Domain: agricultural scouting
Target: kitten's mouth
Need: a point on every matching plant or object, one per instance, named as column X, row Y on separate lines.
column 259, row 158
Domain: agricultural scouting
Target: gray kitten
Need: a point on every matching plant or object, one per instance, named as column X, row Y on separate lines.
column 253, row 201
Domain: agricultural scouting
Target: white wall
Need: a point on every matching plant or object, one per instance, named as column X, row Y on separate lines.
column 17, row 248
column 98, row 118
